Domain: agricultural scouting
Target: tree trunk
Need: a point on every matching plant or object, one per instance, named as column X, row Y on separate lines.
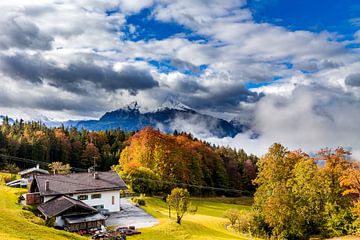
column 178, row 220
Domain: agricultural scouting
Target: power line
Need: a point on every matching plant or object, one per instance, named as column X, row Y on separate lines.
column 26, row 160
column 13, row 158
column 195, row 186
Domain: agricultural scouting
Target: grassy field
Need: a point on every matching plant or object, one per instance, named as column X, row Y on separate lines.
column 16, row 223
column 206, row 224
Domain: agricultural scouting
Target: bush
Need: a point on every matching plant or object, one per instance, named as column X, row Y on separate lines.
column 232, row 215
column 30, row 208
column 8, row 178
column 245, row 222
column 50, row 222
column 141, row 202
column 338, row 222
column 142, row 180
column 138, row 201
column 356, row 227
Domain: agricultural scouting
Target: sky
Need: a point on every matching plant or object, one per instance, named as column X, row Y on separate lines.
column 291, row 68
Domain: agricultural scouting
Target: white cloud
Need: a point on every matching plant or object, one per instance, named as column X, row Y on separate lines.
column 313, row 101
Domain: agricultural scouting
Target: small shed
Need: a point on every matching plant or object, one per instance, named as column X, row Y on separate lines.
column 71, row 214
column 84, row 222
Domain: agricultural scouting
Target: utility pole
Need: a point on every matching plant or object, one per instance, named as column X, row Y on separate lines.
column 94, row 158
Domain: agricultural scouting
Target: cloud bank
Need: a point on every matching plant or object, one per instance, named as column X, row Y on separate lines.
column 66, row 59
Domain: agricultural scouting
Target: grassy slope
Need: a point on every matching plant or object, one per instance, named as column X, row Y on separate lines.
column 206, row 224
column 16, row 223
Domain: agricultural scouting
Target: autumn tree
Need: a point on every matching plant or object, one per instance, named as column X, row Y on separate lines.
column 232, row 215
column 337, row 216
column 90, row 155
column 298, row 195
column 59, row 168
column 33, row 140
column 179, row 199
column 351, row 181
column 274, row 198
column 182, row 159
column 142, row 180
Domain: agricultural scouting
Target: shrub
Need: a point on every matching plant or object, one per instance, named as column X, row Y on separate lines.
column 245, row 222
column 8, row 178
column 141, row 202
column 138, row 201
column 232, row 215
column 50, row 222
column 356, row 227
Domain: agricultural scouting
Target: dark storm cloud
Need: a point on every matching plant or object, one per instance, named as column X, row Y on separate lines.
column 23, row 67
column 353, row 80
column 72, row 77
column 314, row 65
column 225, row 99
column 17, row 32
column 130, row 77
column 53, row 102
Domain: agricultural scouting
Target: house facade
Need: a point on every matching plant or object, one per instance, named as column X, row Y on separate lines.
column 99, row 190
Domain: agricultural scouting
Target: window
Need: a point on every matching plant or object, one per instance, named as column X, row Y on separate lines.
column 98, row 207
column 113, row 200
column 96, row 195
column 83, row 197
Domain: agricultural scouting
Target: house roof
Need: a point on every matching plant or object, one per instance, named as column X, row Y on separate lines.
column 34, row 169
column 59, row 205
column 79, row 183
column 18, row 182
column 87, row 218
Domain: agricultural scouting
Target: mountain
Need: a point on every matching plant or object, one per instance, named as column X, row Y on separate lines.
column 171, row 115
column 11, row 121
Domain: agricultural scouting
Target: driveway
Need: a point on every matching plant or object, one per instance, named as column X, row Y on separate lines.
column 130, row 215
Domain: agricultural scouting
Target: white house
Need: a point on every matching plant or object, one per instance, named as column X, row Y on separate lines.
column 99, row 190
column 27, row 176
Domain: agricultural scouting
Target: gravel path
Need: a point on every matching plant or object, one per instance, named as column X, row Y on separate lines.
column 130, row 215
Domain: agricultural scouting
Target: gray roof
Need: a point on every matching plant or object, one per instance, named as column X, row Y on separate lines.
column 87, row 218
column 79, row 183
column 57, row 206
column 34, row 169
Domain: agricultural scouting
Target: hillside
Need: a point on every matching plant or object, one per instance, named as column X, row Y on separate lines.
column 184, row 160
column 207, row 224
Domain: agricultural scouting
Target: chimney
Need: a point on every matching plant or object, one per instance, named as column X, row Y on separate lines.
column 96, row 175
column 47, row 188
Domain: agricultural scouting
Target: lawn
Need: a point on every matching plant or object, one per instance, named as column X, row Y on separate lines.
column 206, row 224
column 16, row 223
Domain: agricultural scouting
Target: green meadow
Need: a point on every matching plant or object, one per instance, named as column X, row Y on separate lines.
column 207, row 223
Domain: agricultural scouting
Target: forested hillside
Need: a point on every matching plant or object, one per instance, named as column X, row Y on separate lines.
column 155, row 162
column 79, row 148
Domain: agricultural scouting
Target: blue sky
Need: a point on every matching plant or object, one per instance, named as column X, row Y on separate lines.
column 317, row 16
column 291, row 68
column 341, row 18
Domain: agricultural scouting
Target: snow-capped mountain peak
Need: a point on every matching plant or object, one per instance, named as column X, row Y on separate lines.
column 171, row 103
column 133, row 106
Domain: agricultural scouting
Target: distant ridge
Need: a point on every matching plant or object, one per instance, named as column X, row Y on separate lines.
column 170, row 116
